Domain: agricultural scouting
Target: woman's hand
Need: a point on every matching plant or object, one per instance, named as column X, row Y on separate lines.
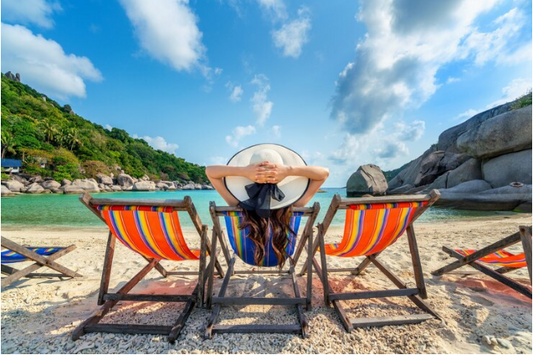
column 272, row 173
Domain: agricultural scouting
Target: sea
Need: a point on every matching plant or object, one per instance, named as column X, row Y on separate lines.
column 58, row 210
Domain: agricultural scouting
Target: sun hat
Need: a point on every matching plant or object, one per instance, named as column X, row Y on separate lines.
column 265, row 197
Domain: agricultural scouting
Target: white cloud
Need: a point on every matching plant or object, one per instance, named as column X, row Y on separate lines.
column 452, row 79
column 276, row 9
column 406, row 44
column 239, row 133
column 161, row 144
column 465, row 115
column 236, row 92
column 410, row 133
column 275, row 132
column 26, row 12
column 294, row 34
column 261, row 106
column 218, row 160
column 109, row 127
column 43, row 64
column 168, row 31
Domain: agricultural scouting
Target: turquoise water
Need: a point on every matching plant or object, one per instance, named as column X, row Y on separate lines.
column 67, row 211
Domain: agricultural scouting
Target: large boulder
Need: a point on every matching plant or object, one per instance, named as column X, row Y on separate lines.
column 20, row 179
column 116, row 188
column 50, row 184
column 469, row 170
column 448, row 138
column 6, row 191
column 507, row 168
column 505, row 133
column 473, row 186
column 89, row 185
column 411, row 170
column 34, row 188
column 144, row 186
column 125, row 180
column 368, row 179
column 505, row 198
column 14, row 185
column 104, row 179
column 72, row 189
column 161, row 186
column 436, row 164
column 65, row 182
column 188, row 187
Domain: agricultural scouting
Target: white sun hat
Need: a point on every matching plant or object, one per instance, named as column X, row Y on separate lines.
column 293, row 187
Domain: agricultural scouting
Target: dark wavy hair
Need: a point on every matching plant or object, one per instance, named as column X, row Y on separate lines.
column 259, row 229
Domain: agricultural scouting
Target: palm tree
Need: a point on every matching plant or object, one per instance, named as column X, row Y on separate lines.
column 72, row 138
column 8, row 143
column 49, row 129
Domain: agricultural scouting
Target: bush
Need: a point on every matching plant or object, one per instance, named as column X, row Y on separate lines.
column 522, row 101
column 68, row 171
column 5, row 176
column 93, row 168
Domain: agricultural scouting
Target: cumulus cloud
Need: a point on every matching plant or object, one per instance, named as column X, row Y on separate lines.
column 161, row 144
column 26, row 12
column 261, row 105
column 294, row 34
column 276, row 9
column 406, row 44
column 239, row 133
column 109, row 127
column 167, row 30
column 410, row 133
column 452, row 79
column 236, row 92
column 44, row 64
column 275, row 132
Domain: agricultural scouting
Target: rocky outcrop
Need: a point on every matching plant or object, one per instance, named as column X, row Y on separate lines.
column 104, row 179
column 88, row 185
column 6, row 191
column 368, row 179
column 505, row 133
column 507, row 168
column 72, row 189
column 50, row 184
column 144, row 186
column 34, row 188
column 474, row 163
column 14, row 185
column 125, row 180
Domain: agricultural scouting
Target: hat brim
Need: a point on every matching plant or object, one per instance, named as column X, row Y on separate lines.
column 294, row 187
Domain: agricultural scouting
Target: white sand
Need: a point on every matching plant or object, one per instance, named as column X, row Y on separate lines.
column 480, row 315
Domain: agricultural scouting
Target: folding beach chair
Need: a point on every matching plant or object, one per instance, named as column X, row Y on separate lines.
column 152, row 229
column 244, row 249
column 372, row 224
column 42, row 256
column 496, row 256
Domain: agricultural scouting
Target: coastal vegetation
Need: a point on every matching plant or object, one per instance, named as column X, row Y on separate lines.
column 53, row 141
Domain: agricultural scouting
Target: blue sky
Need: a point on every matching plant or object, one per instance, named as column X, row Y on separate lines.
column 344, row 83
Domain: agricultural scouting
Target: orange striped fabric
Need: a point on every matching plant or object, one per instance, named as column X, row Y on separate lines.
column 154, row 232
column 499, row 258
column 370, row 228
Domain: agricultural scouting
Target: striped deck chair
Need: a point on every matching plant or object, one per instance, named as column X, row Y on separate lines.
column 150, row 228
column 42, row 256
column 244, row 249
column 494, row 255
column 372, row 224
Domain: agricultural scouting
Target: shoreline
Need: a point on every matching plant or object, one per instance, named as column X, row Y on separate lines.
column 479, row 314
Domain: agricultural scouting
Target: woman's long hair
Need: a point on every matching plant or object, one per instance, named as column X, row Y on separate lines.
column 259, row 229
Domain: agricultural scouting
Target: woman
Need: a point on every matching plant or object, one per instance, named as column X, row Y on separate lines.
column 266, row 180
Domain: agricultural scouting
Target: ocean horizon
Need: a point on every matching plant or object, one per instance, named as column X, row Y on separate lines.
column 58, row 210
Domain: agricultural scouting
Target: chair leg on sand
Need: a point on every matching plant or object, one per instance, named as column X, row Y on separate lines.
column 221, row 300
column 40, row 261
column 109, row 300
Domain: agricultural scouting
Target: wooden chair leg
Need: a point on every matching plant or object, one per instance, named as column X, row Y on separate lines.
column 417, row 265
column 309, row 271
column 211, row 271
column 525, row 236
column 324, row 263
column 202, row 270
column 106, row 271
column 216, row 309
column 299, row 311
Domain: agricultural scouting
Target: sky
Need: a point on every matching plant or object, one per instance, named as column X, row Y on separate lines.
column 343, row 83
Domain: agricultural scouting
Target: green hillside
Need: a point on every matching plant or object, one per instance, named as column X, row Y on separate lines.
column 35, row 127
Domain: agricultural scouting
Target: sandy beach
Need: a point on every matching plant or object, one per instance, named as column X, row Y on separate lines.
column 479, row 314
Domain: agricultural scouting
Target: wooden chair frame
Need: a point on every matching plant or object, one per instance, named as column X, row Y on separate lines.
column 523, row 235
column 217, row 302
column 414, row 294
column 40, row 261
column 109, row 299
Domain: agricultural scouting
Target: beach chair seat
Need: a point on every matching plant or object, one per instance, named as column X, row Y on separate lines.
column 371, row 225
column 495, row 255
column 42, row 256
column 152, row 229
column 243, row 248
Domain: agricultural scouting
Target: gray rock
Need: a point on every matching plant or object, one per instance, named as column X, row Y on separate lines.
column 72, row 189
column 409, row 174
column 436, row 164
column 469, row 170
column 447, row 139
column 6, row 191
column 507, row 168
column 441, row 182
column 401, row 190
column 57, row 191
column 207, row 187
column 34, row 188
column 368, row 179
column 145, row 178
column 127, row 188
column 144, row 186
column 104, row 179
column 50, row 184
column 89, row 185
column 125, row 180
column 20, row 179
column 198, row 187
column 161, row 186
column 189, row 186
column 65, row 182
column 116, row 188
column 13, row 185
column 472, row 186
column 505, row 133
column 36, row 178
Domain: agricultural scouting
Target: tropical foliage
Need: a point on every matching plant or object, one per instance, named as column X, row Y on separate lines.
column 40, row 132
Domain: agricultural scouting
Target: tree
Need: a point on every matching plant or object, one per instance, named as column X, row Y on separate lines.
column 49, row 130
column 72, row 138
column 8, row 143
